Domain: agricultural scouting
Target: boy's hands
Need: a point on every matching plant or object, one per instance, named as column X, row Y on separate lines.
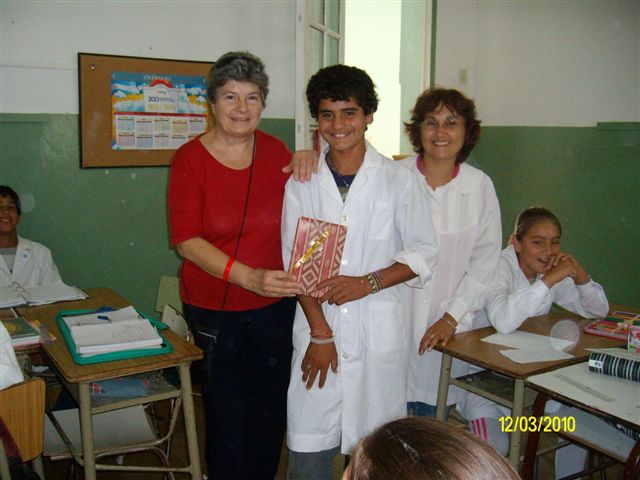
column 316, row 361
column 343, row 289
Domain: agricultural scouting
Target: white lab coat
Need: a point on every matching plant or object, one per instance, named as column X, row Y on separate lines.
column 388, row 220
column 33, row 266
column 512, row 299
column 466, row 216
column 10, row 372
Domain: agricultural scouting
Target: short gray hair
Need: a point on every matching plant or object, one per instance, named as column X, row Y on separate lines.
column 241, row 67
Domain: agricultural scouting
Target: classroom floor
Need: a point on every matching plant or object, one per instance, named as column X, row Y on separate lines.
column 62, row 470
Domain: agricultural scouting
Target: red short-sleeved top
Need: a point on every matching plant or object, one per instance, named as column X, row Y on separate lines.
column 207, row 199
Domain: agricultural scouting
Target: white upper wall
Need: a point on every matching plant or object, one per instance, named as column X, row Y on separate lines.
column 365, row 48
column 40, row 42
column 552, row 63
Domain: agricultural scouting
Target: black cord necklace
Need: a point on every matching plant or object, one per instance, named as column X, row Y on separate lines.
column 244, row 215
column 333, row 168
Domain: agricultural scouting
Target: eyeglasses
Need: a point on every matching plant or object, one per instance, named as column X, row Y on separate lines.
column 449, row 123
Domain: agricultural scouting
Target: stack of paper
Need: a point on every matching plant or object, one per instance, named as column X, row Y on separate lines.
column 15, row 294
column 112, row 331
column 22, row 333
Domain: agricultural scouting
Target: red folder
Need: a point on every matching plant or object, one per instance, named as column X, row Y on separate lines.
column 317, row 252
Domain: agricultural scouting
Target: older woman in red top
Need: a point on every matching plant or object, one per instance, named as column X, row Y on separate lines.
column 225, row 202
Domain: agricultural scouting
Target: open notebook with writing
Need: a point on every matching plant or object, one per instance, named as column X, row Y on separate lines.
column 111, row 331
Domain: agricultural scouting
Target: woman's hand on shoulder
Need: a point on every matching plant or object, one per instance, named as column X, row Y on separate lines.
column 440, row 332
column 303, row 164
column 271, row 283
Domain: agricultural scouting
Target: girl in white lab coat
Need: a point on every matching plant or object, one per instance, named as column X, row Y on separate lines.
column 466, row 215
column 533, row 273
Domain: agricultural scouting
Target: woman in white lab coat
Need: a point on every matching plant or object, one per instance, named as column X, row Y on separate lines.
column 22, row 261
column 466, row 215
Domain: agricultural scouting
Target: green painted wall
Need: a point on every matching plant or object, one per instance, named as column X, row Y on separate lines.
column 107, row 227
column 588, row 177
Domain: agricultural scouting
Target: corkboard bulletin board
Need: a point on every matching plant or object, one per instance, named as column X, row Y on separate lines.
column 94, row 78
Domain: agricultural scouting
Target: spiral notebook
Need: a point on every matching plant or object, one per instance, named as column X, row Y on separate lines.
column 15, row 294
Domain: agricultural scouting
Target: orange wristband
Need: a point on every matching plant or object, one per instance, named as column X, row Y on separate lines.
column 227, row 269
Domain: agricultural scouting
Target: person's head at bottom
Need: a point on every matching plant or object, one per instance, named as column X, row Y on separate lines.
column 419, row 448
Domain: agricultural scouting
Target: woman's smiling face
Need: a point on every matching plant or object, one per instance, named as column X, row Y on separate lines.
column 443, row 134
column 237, row 108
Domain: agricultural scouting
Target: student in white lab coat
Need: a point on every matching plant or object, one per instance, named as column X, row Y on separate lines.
column 22, row 261
column 533, row 273
column 350, row 347
column 10, row 371
column 466, row 215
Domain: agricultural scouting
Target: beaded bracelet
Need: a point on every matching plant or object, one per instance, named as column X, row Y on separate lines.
column 374, row 281
column 378, row 278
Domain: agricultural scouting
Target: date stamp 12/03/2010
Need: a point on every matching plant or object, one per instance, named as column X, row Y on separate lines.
column 537, row 424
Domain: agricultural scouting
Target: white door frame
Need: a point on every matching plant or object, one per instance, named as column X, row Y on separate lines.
column 306, row 61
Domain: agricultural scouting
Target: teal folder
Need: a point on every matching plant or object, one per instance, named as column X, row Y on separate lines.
column 111, row 356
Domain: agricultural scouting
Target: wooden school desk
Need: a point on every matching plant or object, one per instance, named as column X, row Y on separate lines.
column 78, row 378
column 607, row 396
column 24, row 352
column 468, row 346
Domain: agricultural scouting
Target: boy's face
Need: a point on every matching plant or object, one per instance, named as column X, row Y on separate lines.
column 9, row 217
column 342, row 124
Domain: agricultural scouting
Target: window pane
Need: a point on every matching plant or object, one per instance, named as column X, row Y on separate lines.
column 333, row 52
column 317, row 47
column 316, row 11
column 333, row 10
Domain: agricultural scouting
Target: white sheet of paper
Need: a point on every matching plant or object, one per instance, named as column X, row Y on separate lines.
column 547, row 354
column 528, row 341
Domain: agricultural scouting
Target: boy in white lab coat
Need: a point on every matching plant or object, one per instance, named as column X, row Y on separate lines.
column 22, row 261
column 354, row 340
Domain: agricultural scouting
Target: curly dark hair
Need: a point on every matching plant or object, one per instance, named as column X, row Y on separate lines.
column 430, row 101
column 241, row 67
column 6, row 191
column 340, row 83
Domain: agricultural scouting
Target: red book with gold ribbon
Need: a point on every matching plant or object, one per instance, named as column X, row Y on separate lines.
column 317, row 252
